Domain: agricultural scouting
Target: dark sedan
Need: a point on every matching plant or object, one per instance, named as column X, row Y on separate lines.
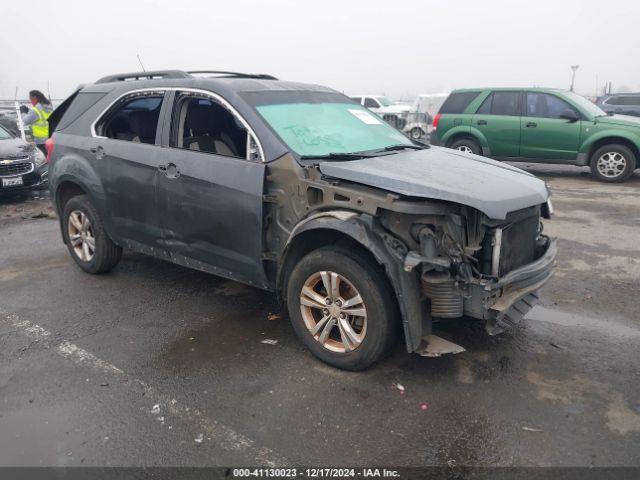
column 22, row 166
column 620, row 104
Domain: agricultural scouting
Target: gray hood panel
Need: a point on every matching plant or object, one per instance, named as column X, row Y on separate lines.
column 492, row 187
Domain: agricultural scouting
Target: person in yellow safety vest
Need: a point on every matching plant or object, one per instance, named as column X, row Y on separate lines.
column 38, row 117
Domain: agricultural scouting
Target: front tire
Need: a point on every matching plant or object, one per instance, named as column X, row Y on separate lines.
column 89, row 244
column 466, row 145
column 613, row 163
column 416, row 133
column 341, row 307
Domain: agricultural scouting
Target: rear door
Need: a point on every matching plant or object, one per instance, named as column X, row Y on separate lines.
column 544, row 134
column 211, row 188
column 126, row 153
column 498, row 119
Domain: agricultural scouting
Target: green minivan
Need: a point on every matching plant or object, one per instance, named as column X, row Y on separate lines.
column 539, row 125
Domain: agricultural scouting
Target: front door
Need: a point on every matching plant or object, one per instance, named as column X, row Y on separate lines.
column 210, row 189
column 544, row 134
column 498, row 119
column 126, row 155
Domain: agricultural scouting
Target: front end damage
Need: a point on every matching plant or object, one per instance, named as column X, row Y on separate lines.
column 471, row 266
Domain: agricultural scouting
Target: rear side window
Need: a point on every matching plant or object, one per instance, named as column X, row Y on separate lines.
column 505, row 103
column 80, row 104
column 133, row 119
column 458, row 102
column 631, row 100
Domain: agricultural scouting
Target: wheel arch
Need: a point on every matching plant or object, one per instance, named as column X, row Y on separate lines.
column 357, row 230
column 468, row 132
column 607, row 138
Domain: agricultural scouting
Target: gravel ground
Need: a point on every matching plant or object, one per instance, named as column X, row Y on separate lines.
column 154, row 364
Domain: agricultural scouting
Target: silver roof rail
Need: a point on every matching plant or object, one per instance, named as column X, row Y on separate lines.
column 226, row 74
column 150, row 75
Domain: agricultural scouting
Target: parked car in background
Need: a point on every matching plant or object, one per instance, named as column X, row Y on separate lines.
column 539, row 125
column 381, row 104
column 416, row 125
column 23, row 167
column 361, row 232
column 620, row 103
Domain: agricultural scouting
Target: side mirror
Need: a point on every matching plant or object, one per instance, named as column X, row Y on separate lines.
column 570, row 115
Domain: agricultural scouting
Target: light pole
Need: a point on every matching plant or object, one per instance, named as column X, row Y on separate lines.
column 573, row 75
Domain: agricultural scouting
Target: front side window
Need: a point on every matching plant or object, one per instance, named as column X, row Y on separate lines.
column 317, row 124
column 384, row 101
column 370, row 103
column 133, row 119
column 505, row 103
column 546, row 105
column 201, row 124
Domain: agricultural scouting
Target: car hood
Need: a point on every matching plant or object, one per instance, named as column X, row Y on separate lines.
column 621, row 120
column 492, row 187
column 14, row 147
column 395, row 109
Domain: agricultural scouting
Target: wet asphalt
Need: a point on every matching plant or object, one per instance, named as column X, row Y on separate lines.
column 155, row 364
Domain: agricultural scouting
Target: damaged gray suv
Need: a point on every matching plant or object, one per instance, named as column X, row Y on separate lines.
column 296, row 189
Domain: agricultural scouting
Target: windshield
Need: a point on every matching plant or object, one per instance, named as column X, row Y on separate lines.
column 4, row 135
column 320, row 127
column 384, row 101
column 585, row 104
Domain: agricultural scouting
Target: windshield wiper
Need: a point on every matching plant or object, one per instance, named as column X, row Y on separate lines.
column 336, row 156
column 402, row 146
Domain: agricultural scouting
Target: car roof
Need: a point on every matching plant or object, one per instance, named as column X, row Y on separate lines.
column 219, row 84
column 509, row 89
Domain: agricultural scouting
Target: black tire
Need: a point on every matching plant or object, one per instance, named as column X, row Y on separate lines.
column 466, row 143
column 416, row 133
column 106, row 254
column 372, row 285
column 612, row 163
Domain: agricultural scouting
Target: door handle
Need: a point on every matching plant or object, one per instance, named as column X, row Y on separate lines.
column 532, row 125
column 482, row 122
column 170, row 170
column 98, row 152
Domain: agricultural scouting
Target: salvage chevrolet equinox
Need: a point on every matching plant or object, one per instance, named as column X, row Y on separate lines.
column 296, row 189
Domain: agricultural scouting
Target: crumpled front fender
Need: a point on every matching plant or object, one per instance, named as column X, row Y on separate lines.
column 388, row 252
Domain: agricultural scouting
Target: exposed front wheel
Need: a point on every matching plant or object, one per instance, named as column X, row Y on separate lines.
column 466, row 145
column 613, row 163
column 87, row 241
column 341, row 307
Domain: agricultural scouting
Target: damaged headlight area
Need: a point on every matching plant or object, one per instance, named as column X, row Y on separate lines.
column 470, row 265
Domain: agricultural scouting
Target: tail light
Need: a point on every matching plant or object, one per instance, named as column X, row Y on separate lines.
column 436, row 119
column 49, row 145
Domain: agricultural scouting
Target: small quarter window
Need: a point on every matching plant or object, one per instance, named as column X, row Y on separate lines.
column 132, row 119
column 485, row 108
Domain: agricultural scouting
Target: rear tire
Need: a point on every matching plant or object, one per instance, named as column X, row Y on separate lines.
column 89, row 244
column 362, row 300
column 612, row 163
column 466, row 145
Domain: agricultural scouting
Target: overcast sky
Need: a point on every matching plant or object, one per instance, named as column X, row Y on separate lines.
column 399, row 48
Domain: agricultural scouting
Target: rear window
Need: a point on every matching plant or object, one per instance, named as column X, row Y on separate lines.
column 458, row 102
column 83, row 102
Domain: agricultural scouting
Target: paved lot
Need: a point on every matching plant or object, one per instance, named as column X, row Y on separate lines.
column 132, row 367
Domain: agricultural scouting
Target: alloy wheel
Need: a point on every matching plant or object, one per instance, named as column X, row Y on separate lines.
column 333, row 311
column 81, row 235
column 465, row 149
column 611, row 164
